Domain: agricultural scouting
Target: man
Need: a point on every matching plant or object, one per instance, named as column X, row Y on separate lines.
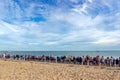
column 111, row 61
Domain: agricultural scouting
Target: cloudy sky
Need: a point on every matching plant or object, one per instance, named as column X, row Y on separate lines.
column 59, row 24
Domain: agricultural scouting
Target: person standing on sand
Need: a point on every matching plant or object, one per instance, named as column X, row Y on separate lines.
column 111, row 61
column 4, row 55
column 119, row 61
column 55, row 58
column 114, row 62
column 97, row 60
column 87, row 60
column 83, row 60
column 90, row 61
column 107, row 61
column 102, row 61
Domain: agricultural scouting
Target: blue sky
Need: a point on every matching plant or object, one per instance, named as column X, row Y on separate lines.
column 60, row 25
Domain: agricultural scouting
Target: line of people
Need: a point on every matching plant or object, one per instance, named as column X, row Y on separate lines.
column 84, row 60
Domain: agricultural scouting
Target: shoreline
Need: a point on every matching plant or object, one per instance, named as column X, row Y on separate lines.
column 69, row 64
column 82, row 60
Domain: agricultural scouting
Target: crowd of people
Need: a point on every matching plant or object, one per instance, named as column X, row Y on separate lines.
column 83, row 60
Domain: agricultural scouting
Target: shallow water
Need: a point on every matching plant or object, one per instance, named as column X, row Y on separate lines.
column 67, row 53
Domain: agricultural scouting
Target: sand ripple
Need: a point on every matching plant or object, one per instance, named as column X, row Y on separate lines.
column 23, row 70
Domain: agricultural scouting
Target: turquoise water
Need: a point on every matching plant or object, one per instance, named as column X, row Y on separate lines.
column 66, row 53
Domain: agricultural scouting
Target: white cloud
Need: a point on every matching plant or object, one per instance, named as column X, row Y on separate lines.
column 34, row 43
column 84, row 27
column 81, row 26
column 74, row 1
column 80, row 9
column 90, row 1
column 9, row 26
column 1, row 32
column 50, row 43
column 108, row 42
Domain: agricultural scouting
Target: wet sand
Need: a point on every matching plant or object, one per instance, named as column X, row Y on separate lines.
column 29, row 70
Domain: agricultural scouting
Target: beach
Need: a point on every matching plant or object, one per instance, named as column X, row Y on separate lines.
column 33, row 70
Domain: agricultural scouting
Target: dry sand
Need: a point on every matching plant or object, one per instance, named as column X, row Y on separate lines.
column 24, row 70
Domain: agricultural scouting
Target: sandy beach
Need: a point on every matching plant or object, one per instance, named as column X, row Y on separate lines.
column 30, row 70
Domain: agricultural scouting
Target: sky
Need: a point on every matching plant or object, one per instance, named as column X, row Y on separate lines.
column 60, row 25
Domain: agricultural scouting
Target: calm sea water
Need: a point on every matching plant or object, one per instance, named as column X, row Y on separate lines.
column 66, row 53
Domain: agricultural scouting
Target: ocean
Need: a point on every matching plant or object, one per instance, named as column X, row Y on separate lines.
column 115, row 54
